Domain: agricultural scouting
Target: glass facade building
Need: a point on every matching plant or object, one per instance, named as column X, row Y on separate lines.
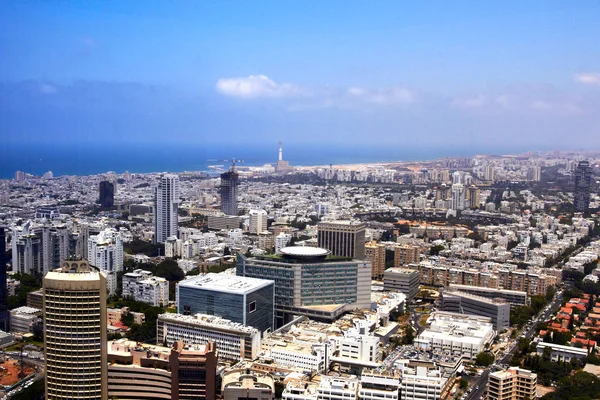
column 243, row 300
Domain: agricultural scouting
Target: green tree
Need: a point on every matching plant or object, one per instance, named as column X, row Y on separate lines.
column 484, row 359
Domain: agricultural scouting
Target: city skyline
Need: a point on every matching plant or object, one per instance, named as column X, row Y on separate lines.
column 471, row 76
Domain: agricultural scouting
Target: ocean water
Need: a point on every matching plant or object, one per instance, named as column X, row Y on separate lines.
column 89, row 159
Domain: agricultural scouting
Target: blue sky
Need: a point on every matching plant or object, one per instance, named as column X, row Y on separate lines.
column 464, row 73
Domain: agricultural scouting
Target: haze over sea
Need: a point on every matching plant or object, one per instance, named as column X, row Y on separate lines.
column 90, row 159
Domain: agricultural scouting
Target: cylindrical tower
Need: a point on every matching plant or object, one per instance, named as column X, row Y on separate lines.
column 75, row 332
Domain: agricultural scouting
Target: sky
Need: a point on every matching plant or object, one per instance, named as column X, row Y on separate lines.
column 478, row 75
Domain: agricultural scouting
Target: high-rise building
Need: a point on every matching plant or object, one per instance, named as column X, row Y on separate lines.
column 305, row 281
column 4, row 319
column 375, row 253
column 75, row 332
column 282, row 165
column 583, row 179
column 166, row 203
column 458, row 196
column 513, row 384
column 489, row 173
column 342, row 238
column 247, row 301
column 474, row 196
column 534, row 173
column 229, row 192
column 105, row 252
column 403, row 280
column 258, row 221
column 106, row 196
column 39, row 248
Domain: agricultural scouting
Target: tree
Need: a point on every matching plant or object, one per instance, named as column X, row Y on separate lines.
column 463, row 383
column 435, row 250
column 484, row 359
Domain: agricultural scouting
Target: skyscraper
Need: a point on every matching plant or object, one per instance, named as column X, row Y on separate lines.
column 106, row 196
column 229, row 192
column 75, row 332
column 342, row 238
column 166, row 203
column 458, row 196
column 583, row 180
column 105, row 252
column 3, row 291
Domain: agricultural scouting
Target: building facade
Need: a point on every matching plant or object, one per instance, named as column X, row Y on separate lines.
column 375, row 253
column 141, row 286
column 582, row 177
column 106, row 196
column 258, row 221
column 342, row 238
column 75, row 333
column 465, row 303
column 229, row 192
column 248, row 301
column 513, row 384
column 166, row 204
column 105, row 252
column 404, row 280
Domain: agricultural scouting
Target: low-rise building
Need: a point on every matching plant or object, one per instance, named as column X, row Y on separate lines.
column 465, row 303
column 403, row 280
column 141, row 286
column 247, row 384
column 513, row 384
column 561, row 353
column 22, row 319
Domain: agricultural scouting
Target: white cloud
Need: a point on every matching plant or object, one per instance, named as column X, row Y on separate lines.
column 588, row 78
column 470, row 102
column 255, row 86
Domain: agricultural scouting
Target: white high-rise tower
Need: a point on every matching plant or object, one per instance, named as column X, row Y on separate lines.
column 105, row 252
column 280, row 151
column 166, row 203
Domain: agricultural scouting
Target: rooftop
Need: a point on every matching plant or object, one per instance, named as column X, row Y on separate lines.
column 209, row 321
column 304, row 251
column 226, row 283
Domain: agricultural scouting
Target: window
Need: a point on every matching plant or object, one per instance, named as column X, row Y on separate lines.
column 251, row 307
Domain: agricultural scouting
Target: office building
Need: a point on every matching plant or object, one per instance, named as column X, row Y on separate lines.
column 75, row 332
column 105, row 252
column 35, row 299
column 106, row 196
column 244, row 383
column 4, row 320
column 229, row 192
column 342, row 238
column 582, row 179
column 23, row 319
column 465, row 303
column 247, row 301
column 513, row 384
column 402, row 280
column 460, row 335
column 513, row 297
column 218, row 222
column 337, row 387
column 426, row 376
column 234, row 341
column 137, row 370
column 140, row 285
column 379, row 386
column 258, row 221
column 561, row 353
column 166, row 204
column 308, row 283
column 375, row 254
column 406, row 254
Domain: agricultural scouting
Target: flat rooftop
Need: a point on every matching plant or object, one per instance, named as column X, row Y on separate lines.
column 226, row 283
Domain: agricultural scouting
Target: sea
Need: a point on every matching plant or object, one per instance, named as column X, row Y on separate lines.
column 92, row 159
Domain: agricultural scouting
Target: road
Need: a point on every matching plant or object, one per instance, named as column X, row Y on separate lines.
column 544, row 315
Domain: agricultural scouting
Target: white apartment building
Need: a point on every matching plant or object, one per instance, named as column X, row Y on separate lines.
column 258, row 221
column 173, row 247
column 281, row 241
column 166, row 203
column 141, row 286
column 337, row 388
column 457, row 334
column 105, row 252
column 234, row 341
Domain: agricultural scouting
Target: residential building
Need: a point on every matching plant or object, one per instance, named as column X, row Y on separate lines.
column 35, row 299
column 562, row 353
column 458, row 197
column 105, row 252
column 244, row 383
column 403, row 280
column 137, row 370
column 234, row 341
column 258, row 221
column 460, row 335
column 282, row 240
column 375, row 253
column 582, row 180
column 513, row 384
column 142, row 286
column 342, row 238
column 4, row 289
column 229, row 192
column 39, row 248
column 406, row 254
column 248, row 301
column 166, row 204
column 75, row 332
column 308, row 283
column 465, row 303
